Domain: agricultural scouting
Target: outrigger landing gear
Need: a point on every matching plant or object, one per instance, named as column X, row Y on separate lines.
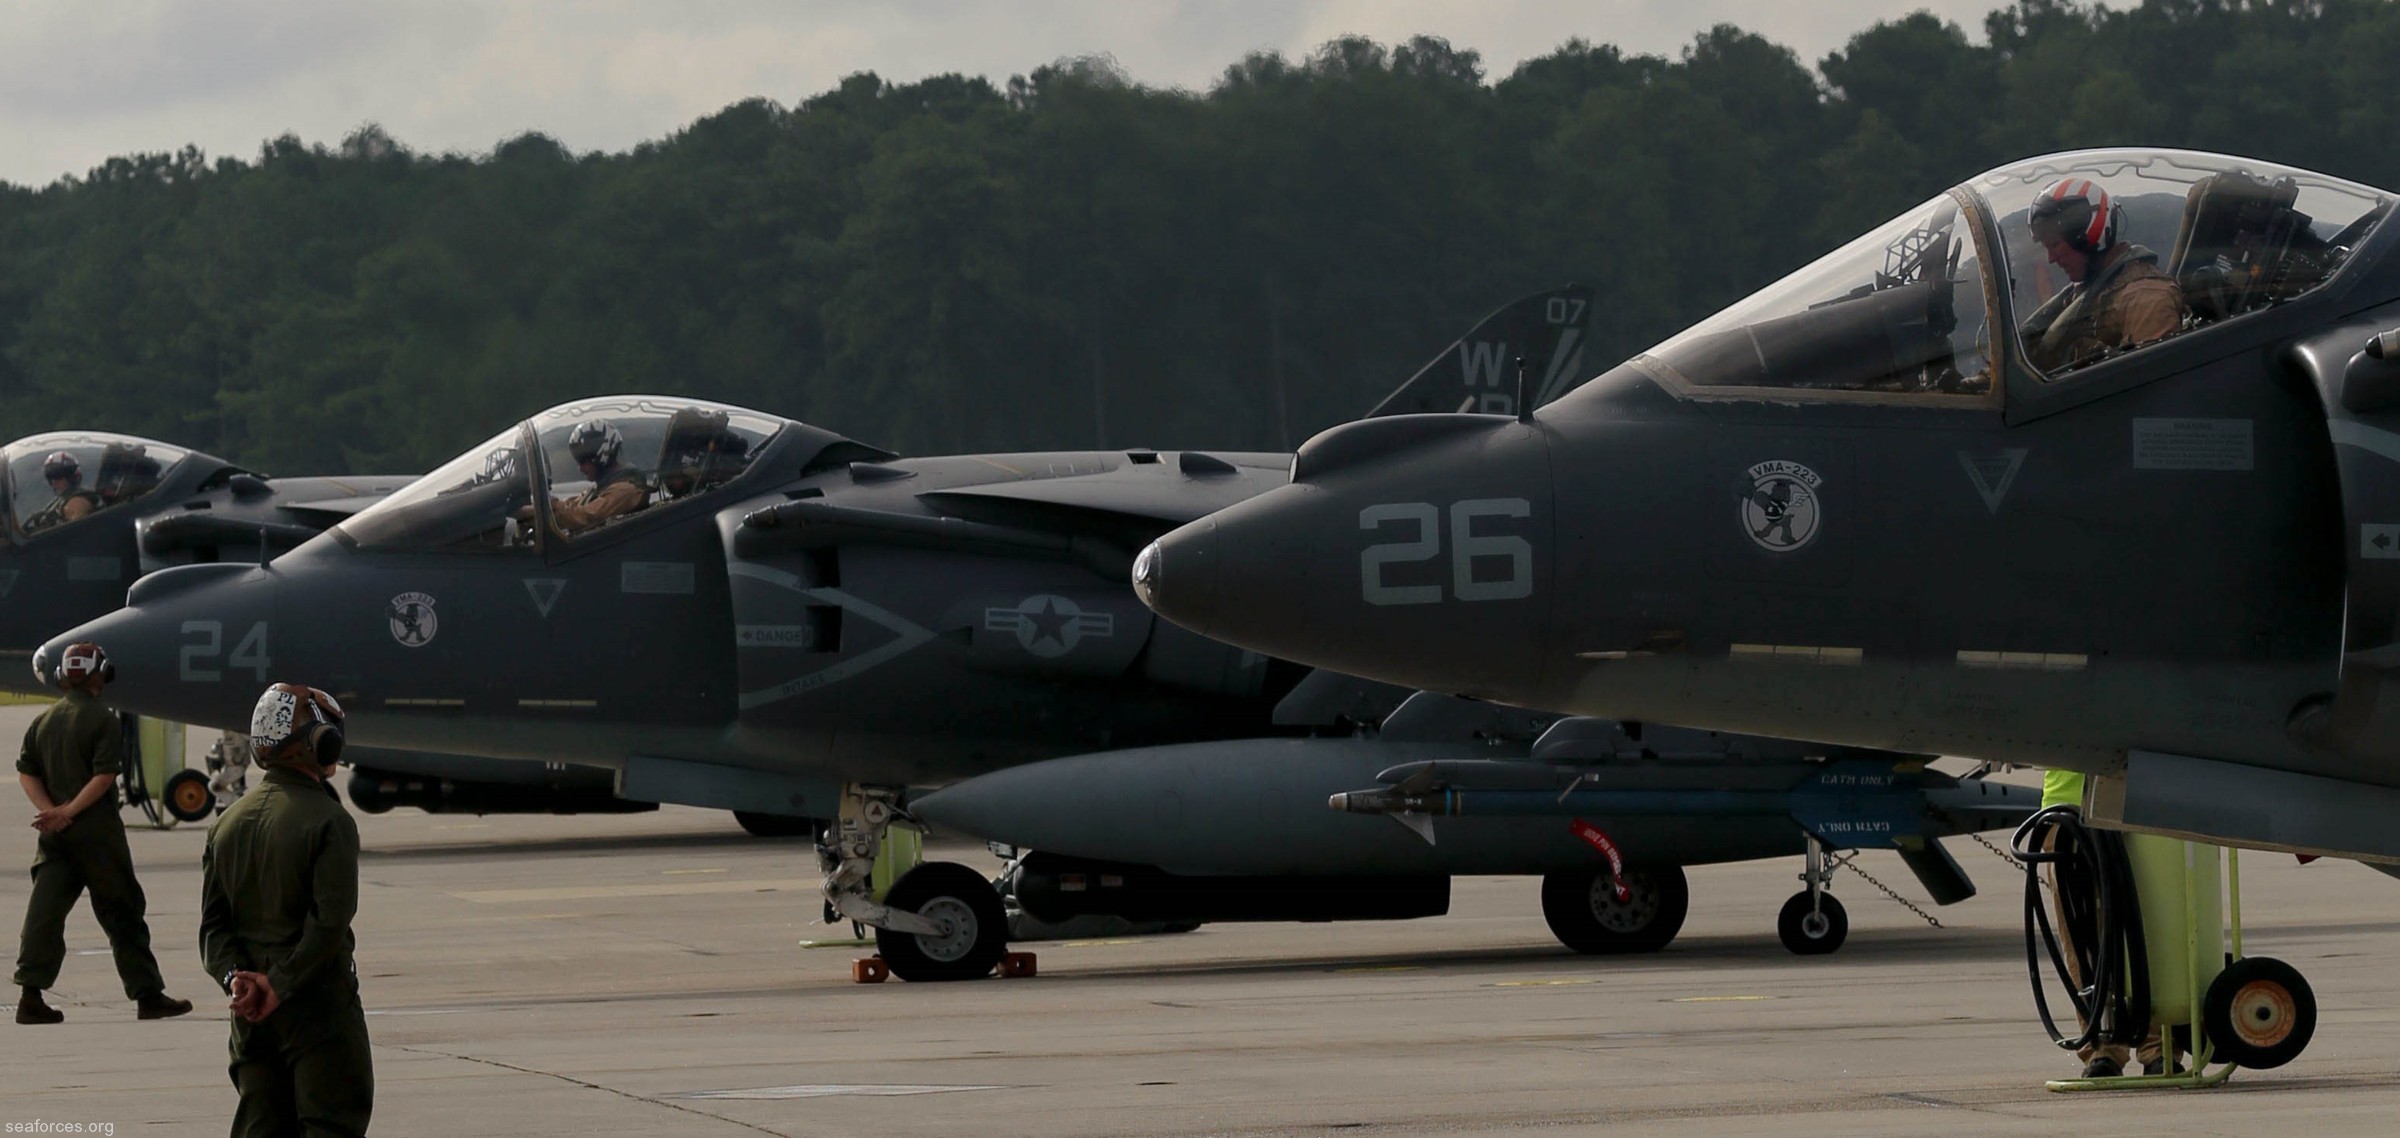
column 1813, row 922
column 940, row 921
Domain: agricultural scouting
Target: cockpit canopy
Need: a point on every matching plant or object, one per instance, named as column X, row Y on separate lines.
column 94, row 471
column 568, row 473
column 1907, row 311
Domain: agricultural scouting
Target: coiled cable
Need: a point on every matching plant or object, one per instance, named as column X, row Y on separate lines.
column 2103, row 928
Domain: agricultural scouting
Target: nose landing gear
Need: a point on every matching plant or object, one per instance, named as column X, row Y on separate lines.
column 939, row 921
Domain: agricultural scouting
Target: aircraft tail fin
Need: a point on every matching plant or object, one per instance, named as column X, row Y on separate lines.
column 1479, row 372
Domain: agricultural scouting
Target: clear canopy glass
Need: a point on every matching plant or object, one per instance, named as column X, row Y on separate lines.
column 94, row 471
column 1901, row 311
column 2211, row 237
column 2187, row 241
column 470, row 503
column 570, row 471
column 655, row 450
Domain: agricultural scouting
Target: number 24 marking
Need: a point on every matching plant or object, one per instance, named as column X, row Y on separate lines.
column 198, row 657
column 1465, row 547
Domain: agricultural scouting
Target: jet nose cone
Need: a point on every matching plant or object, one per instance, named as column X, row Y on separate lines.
column 186, row 647
column 45, row 663
column 1400, row 544
column 1186, row 597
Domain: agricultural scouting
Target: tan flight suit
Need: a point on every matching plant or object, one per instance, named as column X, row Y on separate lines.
column 620, row 492
column 2126, row 303
column 278, row 887
column 66, row 747
column 72, row 506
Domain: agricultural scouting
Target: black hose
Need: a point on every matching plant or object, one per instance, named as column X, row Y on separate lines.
column 2103, row 917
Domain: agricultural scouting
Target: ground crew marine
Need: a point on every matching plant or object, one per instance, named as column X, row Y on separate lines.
column 279, row 886
column 68, row 767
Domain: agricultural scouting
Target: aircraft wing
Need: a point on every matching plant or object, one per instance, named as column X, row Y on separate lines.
column 1169, row 493
column 1098, row 517
column 334, row 507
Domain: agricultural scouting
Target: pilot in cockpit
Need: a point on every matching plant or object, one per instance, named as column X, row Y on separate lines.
column 617, row 489
column 70, row 501
column 2119, row 298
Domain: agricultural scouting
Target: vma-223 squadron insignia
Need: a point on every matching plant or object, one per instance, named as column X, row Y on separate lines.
column 1781, row 512
column 412, row 619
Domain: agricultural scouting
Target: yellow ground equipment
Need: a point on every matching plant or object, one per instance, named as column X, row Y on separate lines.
column 2149, row 932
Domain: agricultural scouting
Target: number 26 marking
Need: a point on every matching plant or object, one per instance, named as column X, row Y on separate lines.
column 1465, row 547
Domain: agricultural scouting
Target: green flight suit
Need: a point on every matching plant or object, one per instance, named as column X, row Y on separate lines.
column 66, row 747
column 278, row 888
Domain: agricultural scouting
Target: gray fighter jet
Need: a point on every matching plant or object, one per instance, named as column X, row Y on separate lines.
column 739, row 611
column 87, row 512
column 1923, row 496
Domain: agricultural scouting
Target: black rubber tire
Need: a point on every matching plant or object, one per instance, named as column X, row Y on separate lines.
column 775, row 825
column 2259, row 1013
column 1584, row 915
column 946, row 890
column 188, row 797
column 1793, row 925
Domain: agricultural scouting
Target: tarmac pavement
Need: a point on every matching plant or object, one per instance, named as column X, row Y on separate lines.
column 645, row 974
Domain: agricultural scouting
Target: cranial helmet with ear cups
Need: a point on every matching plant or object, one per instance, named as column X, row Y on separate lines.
column 83, row 660
column 295, row 714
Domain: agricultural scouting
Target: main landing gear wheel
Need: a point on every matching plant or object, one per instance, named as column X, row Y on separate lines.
column 2259, row 1013
column 1812, row 928
column 974, row 926
column 1585, row 915
column 188, row 797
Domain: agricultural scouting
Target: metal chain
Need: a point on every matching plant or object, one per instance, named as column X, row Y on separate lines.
column 2002, row 854
column 1851, row 861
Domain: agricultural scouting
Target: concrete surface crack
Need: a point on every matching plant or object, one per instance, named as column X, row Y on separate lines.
column 570, row 1079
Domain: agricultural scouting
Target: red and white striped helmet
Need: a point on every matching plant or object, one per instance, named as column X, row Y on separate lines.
column 81, row 661
column 2079, row 212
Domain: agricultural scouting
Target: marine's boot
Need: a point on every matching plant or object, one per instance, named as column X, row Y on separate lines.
column 31, row 1009
column 159, row 1005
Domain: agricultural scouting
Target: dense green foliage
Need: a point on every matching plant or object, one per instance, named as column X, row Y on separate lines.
column 1078, row 260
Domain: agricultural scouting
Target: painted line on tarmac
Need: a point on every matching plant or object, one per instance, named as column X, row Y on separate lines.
column 1720, row 999
column 831, row 1090
column 651, row 889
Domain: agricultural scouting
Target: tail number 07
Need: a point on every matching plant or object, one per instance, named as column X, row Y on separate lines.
column 204, row 646
column 1466, row 549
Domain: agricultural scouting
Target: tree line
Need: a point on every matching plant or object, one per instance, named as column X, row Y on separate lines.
column 1072, row 258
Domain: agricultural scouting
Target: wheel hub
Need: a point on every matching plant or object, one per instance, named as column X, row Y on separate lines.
column 1631, row 915
column 2263, row 1013
column 957, row 937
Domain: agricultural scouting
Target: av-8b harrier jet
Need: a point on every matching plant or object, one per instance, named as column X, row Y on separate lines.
column 85, row 513
column 739, row 611
column 2091, row 462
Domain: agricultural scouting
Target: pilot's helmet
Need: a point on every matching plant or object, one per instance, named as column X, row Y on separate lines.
column 2078, row 212
column 595, row 441
column 60, row 464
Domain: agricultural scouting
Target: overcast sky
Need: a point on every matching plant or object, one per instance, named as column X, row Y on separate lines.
column 82, row 80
